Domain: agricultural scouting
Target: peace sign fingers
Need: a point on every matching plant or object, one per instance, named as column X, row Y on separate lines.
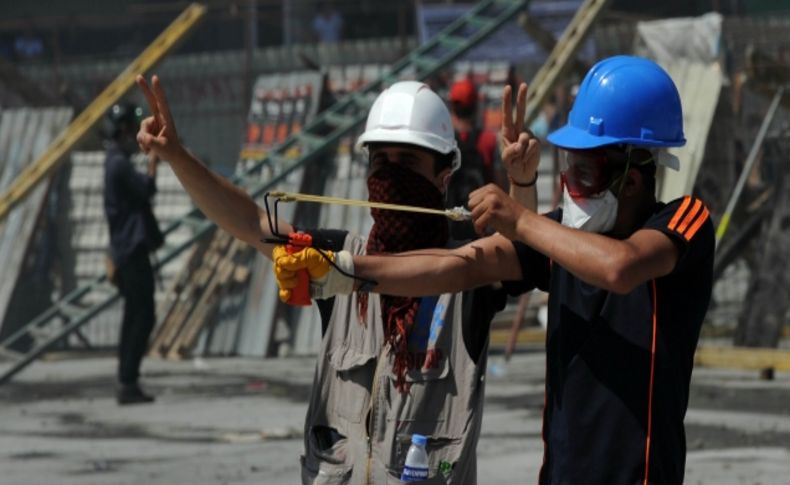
column 510, row 127
column 519, row 149
column 521, row 107
column 157, row 132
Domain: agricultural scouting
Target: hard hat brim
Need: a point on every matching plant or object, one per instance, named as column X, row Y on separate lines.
column 575, row 139
column 423, row 140
column 380, row 135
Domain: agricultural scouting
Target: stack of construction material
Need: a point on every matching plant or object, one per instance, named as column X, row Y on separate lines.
column 216, row 267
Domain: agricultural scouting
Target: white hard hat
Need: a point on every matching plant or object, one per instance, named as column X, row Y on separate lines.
column 410, row 112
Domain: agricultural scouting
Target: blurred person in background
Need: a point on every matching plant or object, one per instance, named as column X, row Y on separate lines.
column 134, row 234
column 327, row 24
column 478, row 149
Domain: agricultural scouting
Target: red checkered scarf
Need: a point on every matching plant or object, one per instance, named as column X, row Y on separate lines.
column 395, row 232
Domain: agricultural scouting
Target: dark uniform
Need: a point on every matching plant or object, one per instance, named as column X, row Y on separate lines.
column 619, row 366
column 134, row 233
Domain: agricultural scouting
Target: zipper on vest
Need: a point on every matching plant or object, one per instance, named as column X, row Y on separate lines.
column 374, row 395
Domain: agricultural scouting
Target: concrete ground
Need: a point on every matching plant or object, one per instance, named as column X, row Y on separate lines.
column 239, row 421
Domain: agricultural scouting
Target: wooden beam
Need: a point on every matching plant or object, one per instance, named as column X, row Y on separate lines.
column 706, row 355
column 743, row 358
column 501, row 337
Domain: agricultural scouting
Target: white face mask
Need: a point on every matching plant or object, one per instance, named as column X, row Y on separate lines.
column 594, row 214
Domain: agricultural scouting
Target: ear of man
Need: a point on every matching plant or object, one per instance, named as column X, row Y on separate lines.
column 633, row 185
column 444, row 178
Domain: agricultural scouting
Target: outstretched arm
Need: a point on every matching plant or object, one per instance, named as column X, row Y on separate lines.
column 221, row 201
column 415, row 273
column 617, row 265
column 434, row 271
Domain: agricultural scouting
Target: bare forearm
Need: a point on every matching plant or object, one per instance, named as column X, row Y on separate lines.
column 435, row 271
column 417, row 273
column 613, row 264
column 228, row 206
column 526, row 196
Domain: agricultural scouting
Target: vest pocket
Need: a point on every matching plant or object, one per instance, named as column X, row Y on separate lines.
column 349, row 390
column 326, row 460
column 325, row 474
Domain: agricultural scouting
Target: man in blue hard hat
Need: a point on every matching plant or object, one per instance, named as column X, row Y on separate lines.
column 629, row 280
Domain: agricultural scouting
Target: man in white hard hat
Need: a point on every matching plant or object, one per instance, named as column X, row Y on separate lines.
column 388, row 367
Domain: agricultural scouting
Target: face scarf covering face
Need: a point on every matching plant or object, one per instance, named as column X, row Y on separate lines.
column 395, row 232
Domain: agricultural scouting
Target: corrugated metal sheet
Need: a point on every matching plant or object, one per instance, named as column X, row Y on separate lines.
column 206, row 90
column 688, row 49
column 24, row 135
column 90, row 235
column 301, row 326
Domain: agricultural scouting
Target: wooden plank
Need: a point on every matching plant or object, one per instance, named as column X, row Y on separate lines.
column 191, row 294
column 208, row 303
column 196, row 290
column 743, row 358
column 706, row 356
column 502, row 337
column 179, row 285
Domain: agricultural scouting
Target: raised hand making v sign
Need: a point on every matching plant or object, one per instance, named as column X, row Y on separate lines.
column 519, row 148
column 221, row 201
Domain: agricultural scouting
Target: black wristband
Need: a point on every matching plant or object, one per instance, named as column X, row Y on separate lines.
column 528, row 184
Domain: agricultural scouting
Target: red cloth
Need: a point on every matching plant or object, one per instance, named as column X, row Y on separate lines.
column 395, row 232
column 486, row 145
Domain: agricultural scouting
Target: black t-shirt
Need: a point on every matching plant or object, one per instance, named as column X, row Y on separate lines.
column 619, row 366
column 479, row 305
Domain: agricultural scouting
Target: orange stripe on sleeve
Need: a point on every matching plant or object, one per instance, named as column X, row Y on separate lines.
column 679, row 212
column 695, row 227
column 649, row 436
column 690, row 217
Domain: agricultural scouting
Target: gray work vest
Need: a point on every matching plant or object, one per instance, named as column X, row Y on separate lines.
column 359, row 426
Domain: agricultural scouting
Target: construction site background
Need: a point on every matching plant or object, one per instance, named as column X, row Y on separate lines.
column 252, row 74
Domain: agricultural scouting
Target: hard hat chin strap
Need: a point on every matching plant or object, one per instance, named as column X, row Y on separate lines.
column 628, row 150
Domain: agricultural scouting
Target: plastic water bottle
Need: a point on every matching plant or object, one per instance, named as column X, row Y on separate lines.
column 416, row 466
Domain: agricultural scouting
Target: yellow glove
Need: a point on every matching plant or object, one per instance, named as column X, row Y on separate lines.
column 325, row 279
column 287, row 265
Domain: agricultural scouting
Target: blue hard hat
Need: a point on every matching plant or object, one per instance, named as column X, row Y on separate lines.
column 624, row 100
